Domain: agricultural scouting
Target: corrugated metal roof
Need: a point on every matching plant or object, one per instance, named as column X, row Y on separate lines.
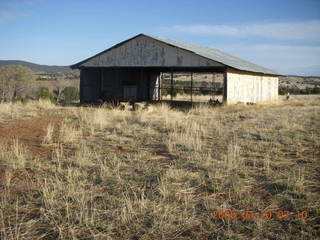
column 219, row 56
column 210, row 53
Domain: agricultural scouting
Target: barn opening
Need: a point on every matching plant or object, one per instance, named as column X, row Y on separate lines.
column 146, row 68
column 191, row 86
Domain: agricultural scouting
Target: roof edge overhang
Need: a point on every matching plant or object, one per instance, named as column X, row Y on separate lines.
column 74, row 66
column 257, row 73
column 193, row 69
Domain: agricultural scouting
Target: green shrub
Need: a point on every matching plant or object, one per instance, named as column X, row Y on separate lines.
column 164, row 92
column 295, row 90
column 70, row 94
column 23, row 100
column 316, row 90
column 44, row 93
column 283, row 90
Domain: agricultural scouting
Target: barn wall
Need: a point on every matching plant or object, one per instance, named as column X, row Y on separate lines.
column 89, row 85
column 250, row 88
column 147, row 52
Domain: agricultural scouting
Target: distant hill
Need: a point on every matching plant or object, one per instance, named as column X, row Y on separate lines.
column 300, row 82
column 37, row 67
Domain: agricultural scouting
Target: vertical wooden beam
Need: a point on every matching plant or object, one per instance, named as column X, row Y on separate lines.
column 161, row 81
column 191, row 90
column 120, row 87
column 159, row 87
column 171, row 92
column 101, row 83
column 225, row 85
column 143, row 83
column 81, row 86
column 213, row 88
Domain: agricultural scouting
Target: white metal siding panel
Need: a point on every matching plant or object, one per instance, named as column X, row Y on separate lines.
column 251, row 88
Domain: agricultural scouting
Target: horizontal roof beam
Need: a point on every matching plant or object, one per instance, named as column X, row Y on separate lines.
column 167, row 69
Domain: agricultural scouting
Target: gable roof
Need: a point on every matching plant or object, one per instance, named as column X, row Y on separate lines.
column 209, row 53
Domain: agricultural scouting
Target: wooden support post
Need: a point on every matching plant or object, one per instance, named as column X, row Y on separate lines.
column 141, row 82
column 225, row 85
column 213, row 88
column 159, row 87
column 161, row 81
column 81, row 86
column 191, row 90
column 171, row 92
column 101, row 85
column 119, row 96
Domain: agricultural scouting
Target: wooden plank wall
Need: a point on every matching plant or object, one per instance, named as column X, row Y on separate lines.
column 147, row 52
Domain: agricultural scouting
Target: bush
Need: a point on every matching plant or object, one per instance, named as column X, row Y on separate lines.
column 23, row 100
column 164, row 92
column 282, row 90
column 316, row 90
column 44, row 93
column 295, row 90
column 70, row 94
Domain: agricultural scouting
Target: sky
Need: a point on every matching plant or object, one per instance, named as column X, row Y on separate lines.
column 283, row 35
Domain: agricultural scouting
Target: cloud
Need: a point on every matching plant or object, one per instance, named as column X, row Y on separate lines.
column 287, row 59
column 280, row 53
column 303, row 30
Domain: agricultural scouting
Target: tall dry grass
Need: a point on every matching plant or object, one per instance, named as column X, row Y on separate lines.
column 160, row 172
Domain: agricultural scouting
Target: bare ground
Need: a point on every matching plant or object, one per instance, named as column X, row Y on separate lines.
column 31, row 132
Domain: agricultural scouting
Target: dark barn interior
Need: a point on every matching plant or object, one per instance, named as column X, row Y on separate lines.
column 124, row 84
column 121, row 84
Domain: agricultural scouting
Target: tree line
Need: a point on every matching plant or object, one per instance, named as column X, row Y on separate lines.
column 295, row 90
column 19, row 83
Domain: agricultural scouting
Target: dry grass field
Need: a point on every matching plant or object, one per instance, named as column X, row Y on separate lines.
column 160, row 173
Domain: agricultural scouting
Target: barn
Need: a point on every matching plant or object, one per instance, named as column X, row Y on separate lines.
column 131, row 70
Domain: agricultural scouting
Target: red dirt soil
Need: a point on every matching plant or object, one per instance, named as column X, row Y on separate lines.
column 31, row 133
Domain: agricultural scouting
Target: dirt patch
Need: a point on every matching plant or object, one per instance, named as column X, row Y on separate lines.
column 31, row 132
column 2, row 177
